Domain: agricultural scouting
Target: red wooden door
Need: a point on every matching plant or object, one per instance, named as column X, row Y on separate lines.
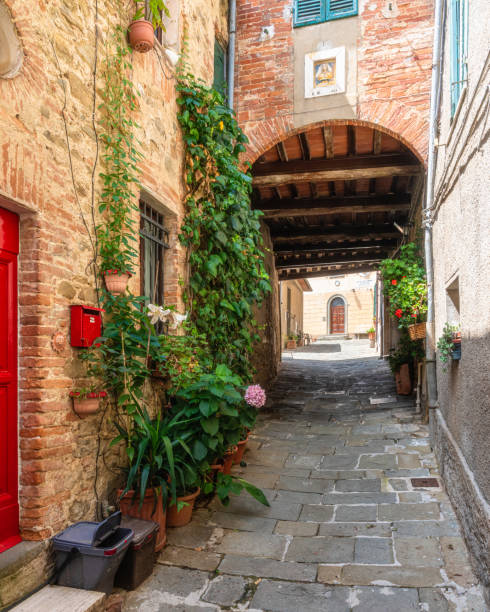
column 9, row 506
column 337, row 316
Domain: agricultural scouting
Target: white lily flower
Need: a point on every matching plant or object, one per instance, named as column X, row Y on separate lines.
column 154, row 313
column 177, row 319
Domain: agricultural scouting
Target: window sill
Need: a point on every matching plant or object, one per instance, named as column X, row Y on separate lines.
column 457, row 112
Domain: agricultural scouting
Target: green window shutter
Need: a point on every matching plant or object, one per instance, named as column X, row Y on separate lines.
column 459, row 52
column 336, row 9
column 219, row 80
column 308, row 12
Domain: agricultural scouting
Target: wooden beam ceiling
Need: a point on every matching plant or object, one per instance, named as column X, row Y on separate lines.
column 352, row 168
column 335, row 259
column 385, row 245
column 325, row 271
column 306, row 203
column 334, row 210
column 334, row 234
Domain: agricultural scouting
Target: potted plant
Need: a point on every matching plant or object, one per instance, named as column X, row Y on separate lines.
column 371, row 332
column 147, row 19
column 405, row 285
column 449, row 344
column 291, row 342
column 188, row 481
column 86, row 401
column 116, row 280
column 401, row 362
column 151, row 471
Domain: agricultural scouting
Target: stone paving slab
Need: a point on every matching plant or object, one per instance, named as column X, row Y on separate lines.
column 345, row 530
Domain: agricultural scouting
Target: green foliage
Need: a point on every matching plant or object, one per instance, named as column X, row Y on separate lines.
column 221, row 232
column 150, row 448
column 407, row 351
column 117, row 239
column 406, row 286
column 151, row 10
column 445, row 344
column 371, row 330
column 220, row 415
column 227, row 484
column 182, row 360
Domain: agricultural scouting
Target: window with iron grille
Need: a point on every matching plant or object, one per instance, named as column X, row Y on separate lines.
column 309, row 12
column 153, row 242
column 459, row 50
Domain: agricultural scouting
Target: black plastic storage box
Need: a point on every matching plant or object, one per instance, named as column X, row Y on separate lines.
column 89, row 554
column 138, row 562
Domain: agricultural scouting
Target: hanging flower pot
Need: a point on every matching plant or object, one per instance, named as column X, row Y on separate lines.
column 116, row 281
column 86, row 403
column 417, row 331
column 179, row 518
column 456, row 350
column 141, row 35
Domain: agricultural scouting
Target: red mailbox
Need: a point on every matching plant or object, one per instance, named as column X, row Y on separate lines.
column 86, row 325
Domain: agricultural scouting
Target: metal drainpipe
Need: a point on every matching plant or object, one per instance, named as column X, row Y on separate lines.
column 430, row 354
column 231, row 51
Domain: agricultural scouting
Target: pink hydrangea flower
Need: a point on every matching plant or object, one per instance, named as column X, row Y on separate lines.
column 255, row 396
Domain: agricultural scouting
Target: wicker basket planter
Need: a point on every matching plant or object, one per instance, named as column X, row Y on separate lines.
column 417, row 331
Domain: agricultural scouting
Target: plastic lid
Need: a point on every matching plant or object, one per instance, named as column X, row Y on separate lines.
column 142, row 529
column 87, row 533
column 107, row 528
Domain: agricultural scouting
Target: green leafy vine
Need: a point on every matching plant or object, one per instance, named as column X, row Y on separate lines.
column 220, row 230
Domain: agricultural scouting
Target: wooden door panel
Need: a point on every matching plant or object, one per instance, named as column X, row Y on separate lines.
column 337, row 320
column 9, row 508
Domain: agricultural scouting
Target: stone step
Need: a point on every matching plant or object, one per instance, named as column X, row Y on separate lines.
column 62, row 599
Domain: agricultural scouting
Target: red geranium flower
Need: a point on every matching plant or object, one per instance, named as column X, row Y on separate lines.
column 399, row 313
column 394, row 282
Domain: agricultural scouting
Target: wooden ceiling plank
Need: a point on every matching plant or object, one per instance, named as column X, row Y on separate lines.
column 328, row 248
column 281, row 151
column 305, row 146
column 306, row 203
column 351, row 140
column 328, row 140
column 334, row 210
column 377, row 142
column 343, row 232
column 304, row 262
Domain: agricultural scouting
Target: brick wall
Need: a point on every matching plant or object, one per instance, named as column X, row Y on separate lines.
column 393, row 71
column 57, row 449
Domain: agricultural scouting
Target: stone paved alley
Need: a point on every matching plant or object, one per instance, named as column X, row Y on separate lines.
column 335, row 452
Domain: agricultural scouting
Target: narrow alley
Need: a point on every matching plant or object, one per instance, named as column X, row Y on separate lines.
column 353, row 524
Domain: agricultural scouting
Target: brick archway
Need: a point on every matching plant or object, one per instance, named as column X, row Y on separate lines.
column 411, row 130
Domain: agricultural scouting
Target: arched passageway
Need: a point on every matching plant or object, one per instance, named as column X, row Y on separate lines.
column 336, row 197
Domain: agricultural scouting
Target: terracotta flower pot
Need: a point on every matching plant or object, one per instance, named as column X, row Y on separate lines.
column 141, row 35
column 116, row 282
column 179, row 518
column 148, row 512
column 403, row 382
column 291, row 344
column 86, row 406
column 240, row 449
column 228, row 460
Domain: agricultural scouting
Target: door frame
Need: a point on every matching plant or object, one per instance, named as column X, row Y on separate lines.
column 9, row 250
column 329, row 317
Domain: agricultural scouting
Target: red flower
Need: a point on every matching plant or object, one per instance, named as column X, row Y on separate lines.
column 404, row 277
column 394, row 282
column 399, row 313
column 414, row 316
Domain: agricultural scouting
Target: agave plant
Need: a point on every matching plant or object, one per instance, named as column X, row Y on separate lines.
column 151, row 448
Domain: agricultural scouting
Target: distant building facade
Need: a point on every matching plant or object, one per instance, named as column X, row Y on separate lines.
column 292, row 307
column 343, row 304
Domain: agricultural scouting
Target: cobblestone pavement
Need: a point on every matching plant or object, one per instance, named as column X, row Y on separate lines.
column 335, row 451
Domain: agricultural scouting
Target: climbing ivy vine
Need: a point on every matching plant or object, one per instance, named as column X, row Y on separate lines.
column 220, row 230
column 116, row 235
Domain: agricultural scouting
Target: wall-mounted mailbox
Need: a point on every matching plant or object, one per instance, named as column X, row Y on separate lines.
column 86, row 325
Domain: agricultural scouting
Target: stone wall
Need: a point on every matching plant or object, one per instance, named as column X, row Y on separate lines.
column 296, row 310
column 388, row 71
column 461, row 286
column 52, row 98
